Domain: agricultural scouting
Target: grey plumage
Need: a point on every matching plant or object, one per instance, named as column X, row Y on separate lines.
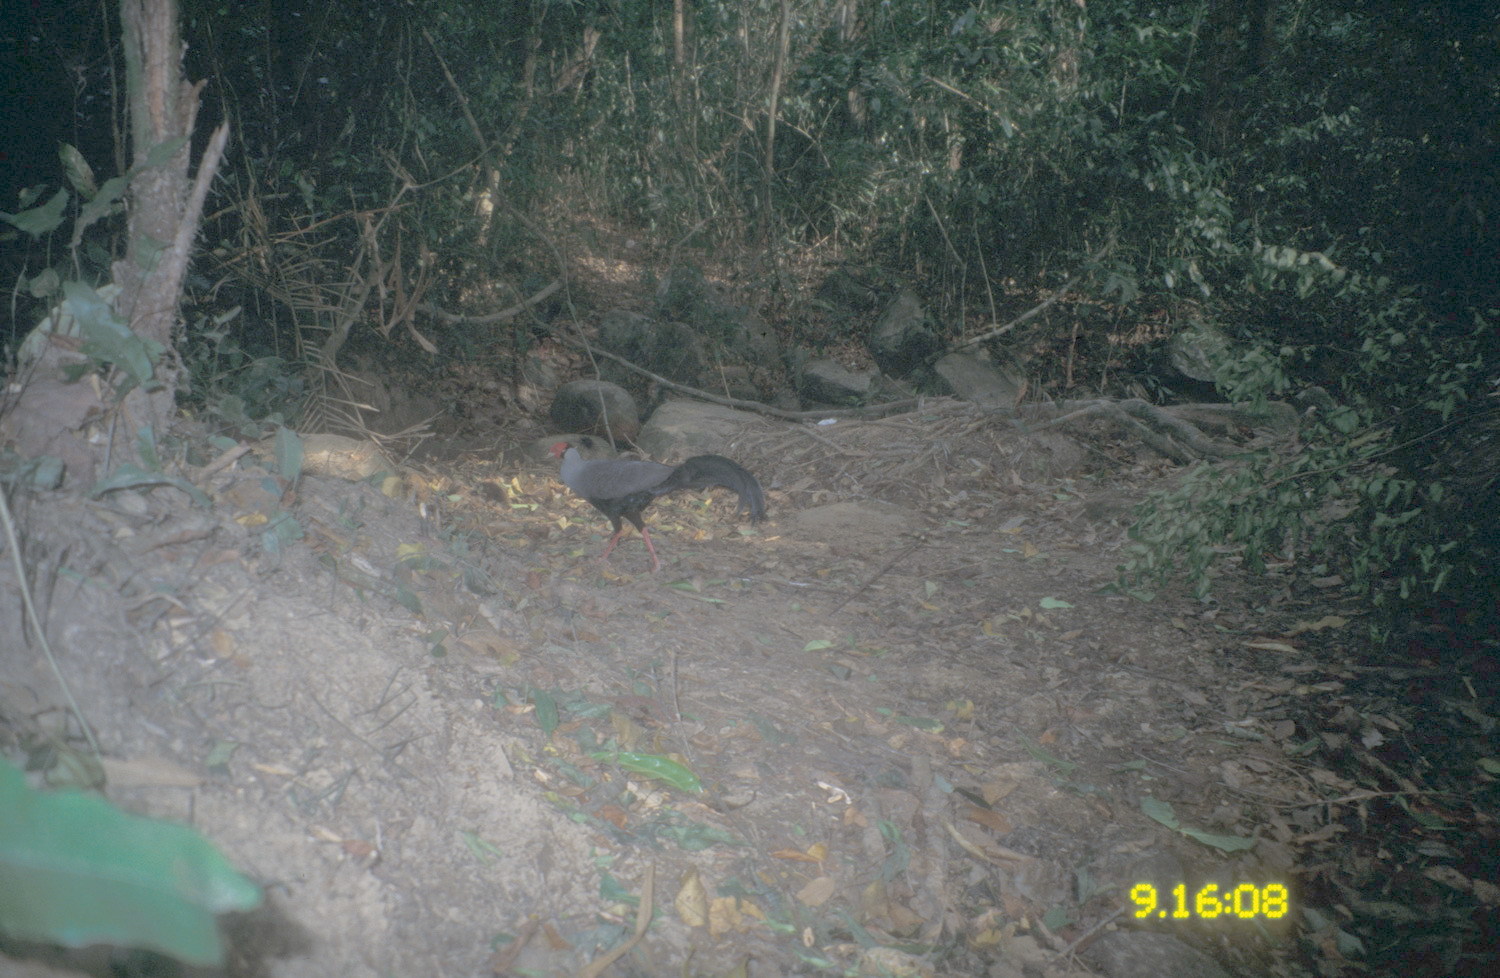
column 622, row 488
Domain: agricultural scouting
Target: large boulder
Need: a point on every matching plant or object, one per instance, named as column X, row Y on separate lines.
column 680, row 428
column 901, row 341
column 597, row 407
column 830, row 382
column 737, row 330
column 972, row 378
column 668, row 349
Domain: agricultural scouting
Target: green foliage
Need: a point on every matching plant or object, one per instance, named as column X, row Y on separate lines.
column 76, row 308
column 108, row 339
column 41, row 220
column 247, row 396
column 1371, row 491
column 75, row 870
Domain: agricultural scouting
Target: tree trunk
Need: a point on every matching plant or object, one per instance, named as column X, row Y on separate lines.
column 164, row 205
column 773, row 109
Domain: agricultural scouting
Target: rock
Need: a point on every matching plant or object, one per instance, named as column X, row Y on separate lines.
column 830, row 382
column 853, row 290
column 737, row 330
column 680, row 428
column 539, row 373
column 682, row 293
column 749, row 336
column 671, row 350
column 597, row 407
column 973, row 378
column 731, row 380
column 620, row 328
column 900, row 341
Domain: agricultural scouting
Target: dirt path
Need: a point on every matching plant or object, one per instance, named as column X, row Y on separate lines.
column 928, row 742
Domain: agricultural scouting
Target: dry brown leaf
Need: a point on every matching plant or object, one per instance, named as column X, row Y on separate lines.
column 631, row 735
column 991, row 820
column 817, row 892
column 362, row 852
column 1327, row 621
column 994, row 792
column 691, row 901
column 724, row 917
column 815, row 854
column 614, row 815
column 486, row 641
column 896, row 964
column 1270, row 645
column 873, row 902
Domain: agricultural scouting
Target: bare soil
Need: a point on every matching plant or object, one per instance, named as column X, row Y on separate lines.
column 930, row 739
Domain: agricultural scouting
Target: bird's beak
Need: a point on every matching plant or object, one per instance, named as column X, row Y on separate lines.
column 556, row 450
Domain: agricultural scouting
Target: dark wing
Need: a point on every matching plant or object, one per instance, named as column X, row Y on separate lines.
column 707, row 471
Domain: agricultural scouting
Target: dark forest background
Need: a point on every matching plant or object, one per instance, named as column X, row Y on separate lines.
column 1312, row 182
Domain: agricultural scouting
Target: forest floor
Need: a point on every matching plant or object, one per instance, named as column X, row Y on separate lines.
column 930, row 739
column 906, row 727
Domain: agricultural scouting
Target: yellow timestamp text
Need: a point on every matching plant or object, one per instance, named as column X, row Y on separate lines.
column 1211, row 902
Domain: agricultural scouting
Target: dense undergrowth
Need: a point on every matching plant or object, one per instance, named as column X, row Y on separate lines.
column 1269, row 170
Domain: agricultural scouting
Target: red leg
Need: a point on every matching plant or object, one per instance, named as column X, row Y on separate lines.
column 655, row 563
column 612, row 541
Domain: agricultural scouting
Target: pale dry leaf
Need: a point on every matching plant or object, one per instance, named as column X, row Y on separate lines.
column 691, row 901
column 817, row 892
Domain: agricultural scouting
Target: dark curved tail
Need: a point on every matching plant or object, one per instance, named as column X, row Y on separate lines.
column 707, row 471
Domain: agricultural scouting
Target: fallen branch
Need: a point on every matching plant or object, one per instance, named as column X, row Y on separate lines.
column 493, row 317
column 1173, row 437
column 873, row 411
column 1031, row 313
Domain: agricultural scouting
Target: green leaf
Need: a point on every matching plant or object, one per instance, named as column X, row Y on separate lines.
column 408, row 600
column 697, row 836
column 1052, row 604
column 132, row 477
column 78, row 171
column 1163, row 813
column 106, row 337
column 75, row 870
column 611, row 891
column 1425, row 819
column 160, row 153
column 1065, row 767
column 102, row 204
column 145, row 448
column 546, row 710
column 148, row 252
column 1227, row 843
column 485, row 852
column 1160, row 811
column 288, row 454
column 655, row 766
column 40, row 220
column 284, row 530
